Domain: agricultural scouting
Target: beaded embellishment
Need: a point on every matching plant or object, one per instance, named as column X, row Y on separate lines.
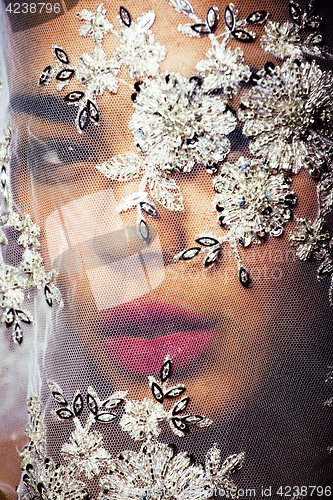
column 179, row 123
column 17, row 281
column 157, row 470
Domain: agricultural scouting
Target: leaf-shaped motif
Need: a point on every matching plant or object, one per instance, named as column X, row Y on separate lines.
column 232, row 464
column 166, row 192
column 77, row 404
column 17, row 334
column 112, row 403
column 166, row 370
column 157, row 392
column 295, row 13
column 229, row 18
column 244, row 277
column 59, row 398
column 213, row 460
column 180, row 425
column 257, row 17
column 48, row 295
column 73, row 97
column 65, row 74
column 192, row 419
column 212, row 18
column 64, row 413
column 24, row 316
column 93, row 111
column 315, row 39
column 242, row 36
column 148, row 209
column 207, row 241
column 106, row 417
column 310, row 6
column 92, row 404
column 131, row 201
column 61, row 55
column 325, row 269
column 83, row 119
column 183, row 6
column 175, row 392
column 181, row 405
column 201, row 28
column 188, row 254
column 144, row 231
column 145, row 22
column 212, row 257
column 125, row 16
column 45, row 76
column 9, row 317
column 122, row 167
column 3, row 176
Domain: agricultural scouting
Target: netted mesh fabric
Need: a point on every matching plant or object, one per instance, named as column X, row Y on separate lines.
column 254, row 360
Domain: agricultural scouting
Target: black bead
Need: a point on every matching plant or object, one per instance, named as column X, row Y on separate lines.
column 134, row 96
column 290, row 199
column 74, row 96
column 244, row 277
column 269, row 67
column 196, row 79
column 267, row 212
column 137, row 86
column 221, row 221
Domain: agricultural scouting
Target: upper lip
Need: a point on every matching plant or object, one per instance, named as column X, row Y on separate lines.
column 151, row 319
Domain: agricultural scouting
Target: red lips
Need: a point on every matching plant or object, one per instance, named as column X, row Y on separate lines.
column 138, row 335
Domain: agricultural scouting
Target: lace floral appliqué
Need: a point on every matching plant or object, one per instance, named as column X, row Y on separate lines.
column 155, row 471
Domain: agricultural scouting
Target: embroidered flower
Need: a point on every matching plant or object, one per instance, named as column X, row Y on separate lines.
column 32, row 266
column 288, row 116
column 219, row 474
column 44, row 480
column 252, row 201
column 95, row 24
column 35, row 432
column 28, row 229
column 178, row 125
column 141, row 419
column 223, row 67
column 312, row 239
column 282, row 40
column 97, row 72
column 166, row 475
column 12, row 285
column 138, row 49
column 85, row 452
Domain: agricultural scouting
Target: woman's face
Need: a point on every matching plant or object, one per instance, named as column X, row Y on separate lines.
column 130, row 304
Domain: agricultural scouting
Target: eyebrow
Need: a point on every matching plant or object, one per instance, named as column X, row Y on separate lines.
column 46, row 107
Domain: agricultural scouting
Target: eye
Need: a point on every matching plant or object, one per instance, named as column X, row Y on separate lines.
column 53, row 161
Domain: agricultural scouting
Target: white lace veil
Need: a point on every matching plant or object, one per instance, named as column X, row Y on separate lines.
column 245, row 321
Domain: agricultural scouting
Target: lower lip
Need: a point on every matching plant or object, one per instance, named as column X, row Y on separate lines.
column 146, row 356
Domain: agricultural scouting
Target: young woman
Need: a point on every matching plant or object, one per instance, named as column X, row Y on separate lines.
column 133, row 142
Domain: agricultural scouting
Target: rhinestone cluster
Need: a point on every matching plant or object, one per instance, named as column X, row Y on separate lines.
column 156, row 471
column 180, row 122
column 16, row 282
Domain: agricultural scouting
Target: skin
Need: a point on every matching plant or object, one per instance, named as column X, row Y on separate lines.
column 233, row 369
